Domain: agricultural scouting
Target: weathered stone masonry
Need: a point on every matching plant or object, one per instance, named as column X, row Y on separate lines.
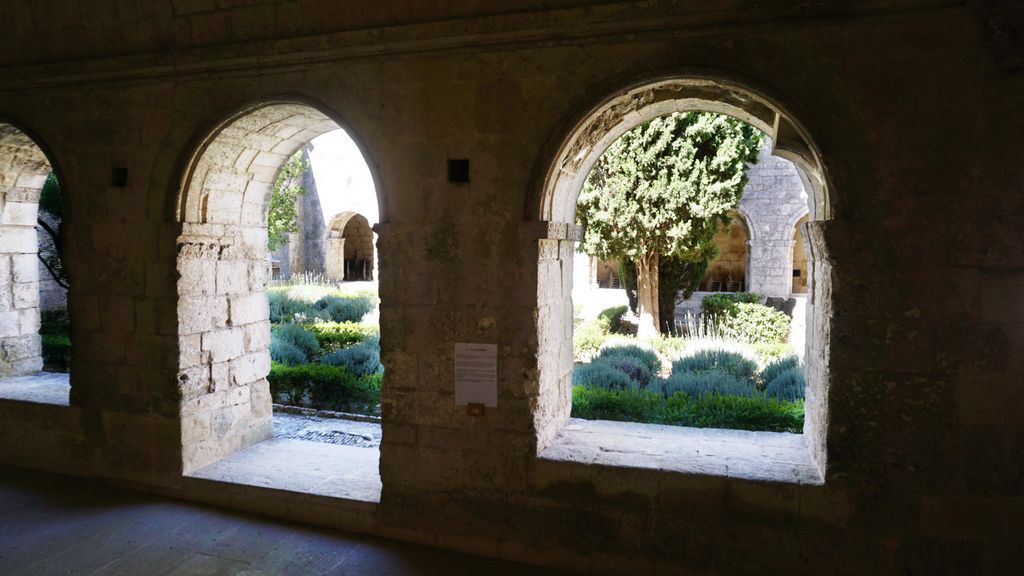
column 910, row 110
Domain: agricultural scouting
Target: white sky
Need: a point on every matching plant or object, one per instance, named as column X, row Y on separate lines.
column 342, row 177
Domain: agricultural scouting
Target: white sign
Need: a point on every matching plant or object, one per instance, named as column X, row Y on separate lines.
column 476, row 374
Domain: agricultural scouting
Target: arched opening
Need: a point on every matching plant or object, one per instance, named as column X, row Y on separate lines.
column 229, row 332
column 565, row 179
column 350, row 254
column 800, row 277
column 34, row 324
column 728, row 271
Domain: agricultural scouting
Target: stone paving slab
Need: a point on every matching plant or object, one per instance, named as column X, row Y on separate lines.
column 770, row 456
column 42, row 387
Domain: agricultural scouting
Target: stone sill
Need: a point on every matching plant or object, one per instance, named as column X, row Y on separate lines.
column 759, row 456
column 39, row 388
column 301, row 467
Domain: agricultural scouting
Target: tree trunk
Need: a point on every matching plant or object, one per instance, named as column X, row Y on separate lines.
column 647, row 295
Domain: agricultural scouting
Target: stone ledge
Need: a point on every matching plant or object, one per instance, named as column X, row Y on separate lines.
column 39, row 388
column 296, row 466
column 759, row 456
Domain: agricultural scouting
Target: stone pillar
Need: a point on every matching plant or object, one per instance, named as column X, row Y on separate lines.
column 771, row 267
column 334, row 261
column 20, row 349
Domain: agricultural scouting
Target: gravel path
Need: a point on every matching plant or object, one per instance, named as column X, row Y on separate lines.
column 327, row 430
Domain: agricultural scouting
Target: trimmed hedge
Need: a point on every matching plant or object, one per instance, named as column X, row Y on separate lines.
column 334, row 335
column 325, row 386
column 706, row 411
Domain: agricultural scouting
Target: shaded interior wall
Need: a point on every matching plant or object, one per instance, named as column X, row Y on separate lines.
column 923, row 433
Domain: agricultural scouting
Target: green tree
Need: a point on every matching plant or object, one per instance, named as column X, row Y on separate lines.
column 282, row 218
column 660, row 191
column 51, row 213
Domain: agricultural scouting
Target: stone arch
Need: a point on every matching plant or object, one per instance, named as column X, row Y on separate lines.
column 24, row 167
column 748, row 222
column 729, row 270
column 223, row 317
column 567, row 170
column 350, row 250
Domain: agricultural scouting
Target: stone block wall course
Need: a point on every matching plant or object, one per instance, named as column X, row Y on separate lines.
column 918, row 364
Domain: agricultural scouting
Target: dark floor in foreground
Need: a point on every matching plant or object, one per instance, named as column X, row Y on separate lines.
column 57, row 525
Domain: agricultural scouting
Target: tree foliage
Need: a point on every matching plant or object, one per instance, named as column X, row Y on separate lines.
column 660, row 191
column 51, row 213
column 282, row 218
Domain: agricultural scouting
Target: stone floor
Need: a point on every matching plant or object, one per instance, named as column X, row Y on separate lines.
column 52, row 525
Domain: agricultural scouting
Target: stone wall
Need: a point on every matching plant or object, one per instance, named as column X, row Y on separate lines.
column 312, row 226
column 909, row 107
column 773, row 200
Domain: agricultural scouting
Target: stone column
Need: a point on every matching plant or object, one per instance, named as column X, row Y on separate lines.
column 20, row 349
column 771, row 267
column 334, row 262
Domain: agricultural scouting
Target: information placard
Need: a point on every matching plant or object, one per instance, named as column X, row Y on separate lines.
column 476, row 374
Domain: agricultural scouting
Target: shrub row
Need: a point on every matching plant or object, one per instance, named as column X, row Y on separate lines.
column 361, row 359
column 334, row 335
column 325, row 387
column 618, row 366
column 741, row 316
column 338, row 307
column 704, row 372
column 705, row 411
column 302, row 343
